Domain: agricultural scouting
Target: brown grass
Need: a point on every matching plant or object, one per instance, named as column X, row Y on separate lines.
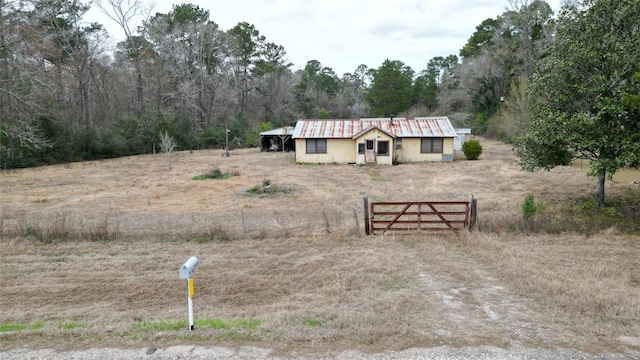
column 92, row 249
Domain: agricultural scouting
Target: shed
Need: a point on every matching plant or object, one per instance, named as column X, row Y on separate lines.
column 462, row 136
column 277, row 139
column 374, row 140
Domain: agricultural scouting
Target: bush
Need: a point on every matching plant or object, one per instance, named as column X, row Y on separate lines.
column 530, row 207
column 213, row 174
column 472, row 149
column 267, row 189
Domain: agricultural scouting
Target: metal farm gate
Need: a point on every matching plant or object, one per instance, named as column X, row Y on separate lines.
column 419, row 216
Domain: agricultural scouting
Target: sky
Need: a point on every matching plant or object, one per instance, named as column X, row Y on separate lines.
column 343, row 34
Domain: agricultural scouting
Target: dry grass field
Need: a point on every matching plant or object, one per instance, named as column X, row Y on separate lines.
column 90, row 254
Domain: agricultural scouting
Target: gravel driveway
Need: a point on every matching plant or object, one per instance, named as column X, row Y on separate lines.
column 444, row 352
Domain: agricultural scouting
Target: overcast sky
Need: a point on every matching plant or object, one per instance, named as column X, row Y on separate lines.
column 343, row 34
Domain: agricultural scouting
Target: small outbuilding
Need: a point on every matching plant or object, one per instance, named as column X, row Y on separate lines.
column 279, row 139
column 462, row 136
column 384, row 141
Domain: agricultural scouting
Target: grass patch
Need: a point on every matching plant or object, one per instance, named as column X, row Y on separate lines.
column 375, row 175
column 582, row 215
column 312, row 322
column 70, row 325
column 267, row 188
column 215, row 174
column 397, row 283
column 6, row 327
column 159, row 325
column 244, row 324
column 163, row 325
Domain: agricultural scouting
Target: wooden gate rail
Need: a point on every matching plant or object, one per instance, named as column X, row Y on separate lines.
column 419, row 216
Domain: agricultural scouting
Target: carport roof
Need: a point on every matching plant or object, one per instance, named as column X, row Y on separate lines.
column 287, row 130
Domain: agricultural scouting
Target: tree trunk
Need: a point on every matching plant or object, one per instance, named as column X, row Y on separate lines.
column 600, row 190
column 139, row 84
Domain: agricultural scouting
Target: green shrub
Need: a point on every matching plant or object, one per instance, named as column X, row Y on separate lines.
column 215, row 173
column 268, row 188
column 472, row 149
column 530, row 207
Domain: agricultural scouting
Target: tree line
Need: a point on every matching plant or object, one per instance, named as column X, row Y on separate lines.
column 65, row 96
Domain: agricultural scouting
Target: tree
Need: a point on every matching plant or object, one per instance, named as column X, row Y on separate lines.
column 482, row 38
column 317, row 88
column 515, row 112
column 391, row 89
column 247, row 44
column 499, row 53
column 580, row 86
column 353, row 87
column 526, row 25
column 633, row 100
column 192, row 65
column 167, row 145
column 124, row 13
column 19, row 82
column 426, row 86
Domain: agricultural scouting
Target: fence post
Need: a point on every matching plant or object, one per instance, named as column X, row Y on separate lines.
column 367, row 220
column 355, row 216
column 473, row 221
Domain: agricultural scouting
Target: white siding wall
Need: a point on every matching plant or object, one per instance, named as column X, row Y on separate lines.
column 410, row 151
column 339, row 151
column 344, row 151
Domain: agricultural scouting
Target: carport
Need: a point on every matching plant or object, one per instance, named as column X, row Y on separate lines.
column 277, row 139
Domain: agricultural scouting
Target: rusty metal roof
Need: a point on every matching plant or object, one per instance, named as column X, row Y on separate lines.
column 398, row 127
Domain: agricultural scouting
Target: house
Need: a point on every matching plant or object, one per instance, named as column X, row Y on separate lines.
column 384, row 141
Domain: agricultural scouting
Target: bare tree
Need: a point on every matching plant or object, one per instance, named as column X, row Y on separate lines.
column 125, row 13
column 167, row 145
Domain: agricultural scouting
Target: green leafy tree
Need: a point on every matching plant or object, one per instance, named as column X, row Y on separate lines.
column 317, row 88
column 323, row 114
column 149, row 128
column 580, row 88
column 633, row 100
column 253, row 137
column 426, row 85
column 482, row 38
column 247, row 44
column 391, row 88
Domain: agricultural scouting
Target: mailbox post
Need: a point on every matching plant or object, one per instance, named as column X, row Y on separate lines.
column 186, row 273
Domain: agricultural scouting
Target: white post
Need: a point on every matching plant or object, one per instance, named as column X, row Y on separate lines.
column 186, row 272
column 190, row 302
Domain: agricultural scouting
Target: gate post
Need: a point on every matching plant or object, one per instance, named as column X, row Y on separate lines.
column 367, row 218
column 473, row 218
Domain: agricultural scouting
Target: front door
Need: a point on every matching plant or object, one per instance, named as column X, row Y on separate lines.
column 369, row 151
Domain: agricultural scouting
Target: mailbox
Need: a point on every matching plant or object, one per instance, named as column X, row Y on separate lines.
column 188, row 268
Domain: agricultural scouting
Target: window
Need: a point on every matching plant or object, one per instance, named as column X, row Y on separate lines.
column 316, row 146
column 399, row 143
column 431, row 145
column 360, row 148
column 383, row 148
